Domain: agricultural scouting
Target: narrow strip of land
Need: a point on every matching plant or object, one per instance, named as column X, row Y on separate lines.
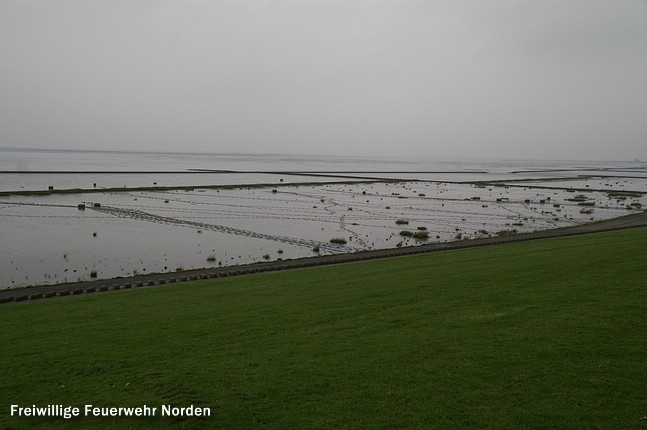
column 192, row 187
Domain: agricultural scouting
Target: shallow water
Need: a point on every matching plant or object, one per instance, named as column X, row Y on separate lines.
column 609, row 184
column 46, row 239
column 60, row 181
column 31, row 160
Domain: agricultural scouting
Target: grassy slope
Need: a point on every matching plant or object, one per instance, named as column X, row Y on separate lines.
column 546, row 334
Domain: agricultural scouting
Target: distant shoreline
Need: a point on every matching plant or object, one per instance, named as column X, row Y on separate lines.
column 319, row 155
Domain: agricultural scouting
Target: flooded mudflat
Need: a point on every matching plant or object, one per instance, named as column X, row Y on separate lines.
column 26, row 181
column 635, row 184
column 47, row 239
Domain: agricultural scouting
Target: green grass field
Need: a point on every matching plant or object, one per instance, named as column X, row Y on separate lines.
column 543, row 334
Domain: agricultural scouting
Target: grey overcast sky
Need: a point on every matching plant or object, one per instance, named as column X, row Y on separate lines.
column 549, row 79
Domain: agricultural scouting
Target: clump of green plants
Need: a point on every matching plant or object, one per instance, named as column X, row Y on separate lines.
column 93, row 274
column 506, row 232
column 266, row 257
column 316, row 248
column 338, row 240
column 586, row 211
column 211, row 258
column 402, row 221
column 621, row 195
column 421, row 235
column 578, row 198
column 280, row 251
column 586, row 204
column 422, row 228
column 406, row 233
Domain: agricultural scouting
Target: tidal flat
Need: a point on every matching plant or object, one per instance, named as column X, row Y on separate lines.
column 123, row 231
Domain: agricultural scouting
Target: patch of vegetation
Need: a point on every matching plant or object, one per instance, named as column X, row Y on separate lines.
column 421, row 235
column 402, row 221
column 507, row 232
column 625, row 194
column 316, row 249
column 338, row 240
column 586, row 204
column 211, row 258
column 93, row 274
column 422, row 228
column 578, row 198
column 266, row 257
column 497, row 337
column 406, row 233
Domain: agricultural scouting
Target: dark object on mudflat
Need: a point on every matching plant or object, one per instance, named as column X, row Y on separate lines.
column 81, row 207
column 96, row 205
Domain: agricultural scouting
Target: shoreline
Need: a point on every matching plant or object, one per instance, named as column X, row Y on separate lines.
column 32, row 293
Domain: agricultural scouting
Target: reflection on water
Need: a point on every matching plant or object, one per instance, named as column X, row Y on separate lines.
column 60, row 181
column 47, row 239
column 31, row 160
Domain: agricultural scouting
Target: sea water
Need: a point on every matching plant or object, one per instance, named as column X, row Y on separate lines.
column 46, row 239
